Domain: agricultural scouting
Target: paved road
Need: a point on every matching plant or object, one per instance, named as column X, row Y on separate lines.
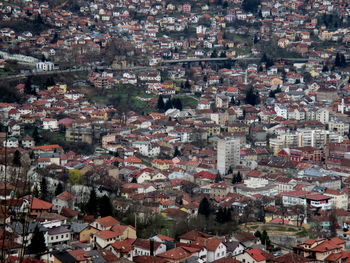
column 185, row 60
column 41, row 73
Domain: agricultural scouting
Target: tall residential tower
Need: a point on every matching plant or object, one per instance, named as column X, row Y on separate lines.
column 228, row 154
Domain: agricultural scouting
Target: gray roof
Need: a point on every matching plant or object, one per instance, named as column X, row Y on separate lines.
column 28, row 228
column 78, row 227
column 231, row 246
column 96, row 256
column 58, row 230
column 64, row 256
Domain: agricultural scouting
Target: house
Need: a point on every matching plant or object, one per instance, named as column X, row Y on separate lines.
column 254, row 255
column 11, row 142
column 116, row 233
column 319, row 249
column 313, row 200
column 216, row 249
column 105, row 237
column 192, row 236
column 146, row 247
column 122, row 249
column 84, row 234
column 64, row 199
column 339, row 199
column 292, row 258
column 38, row 206
column 28, row 142
column 176, row 255
column 57, row 235
column 105, row 223
column 234, row 248
column 50, row 124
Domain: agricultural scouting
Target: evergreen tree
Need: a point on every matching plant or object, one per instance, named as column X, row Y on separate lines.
column 250, row 5
column 220, row 216
column 59, row 189
column 17, row 159
column 28, row 86
column 187, row 85
column 182, row 86
column 333, row 222
column 234, row 179
column 35, row 135
column 168, row 105
column 255, row 40
column 232, row 101
column 257, row 234
column 238, row 177
column 177, row 104
column 49, row 82
column 204, row 207
column 37, row 245
column 227, row 213
column 35, row 191
column 265, row 239
column 160, row 104
column 325, row 68
column 134, row 180
column 337, row 61
column 218, row 178
column 342, row 61
column 43, row 188
column 105, row 206
column 252, row 97
column 214, row 54
column 32, row 155
column 176, row 152
column 91, row 205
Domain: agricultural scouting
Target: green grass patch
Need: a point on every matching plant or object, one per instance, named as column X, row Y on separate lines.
column 302, row 233
column 188, row 101
column 123, row 98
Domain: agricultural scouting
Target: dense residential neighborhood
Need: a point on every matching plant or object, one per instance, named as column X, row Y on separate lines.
column 156, row 131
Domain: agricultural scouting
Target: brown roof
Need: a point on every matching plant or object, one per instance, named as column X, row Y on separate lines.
column 211, row 244
column 226, row 260
column 38, row 204
column 292, row 258
column 193, row 235
column 107, row 221
column 145, row 244
column 148, row 259
column 177, row 253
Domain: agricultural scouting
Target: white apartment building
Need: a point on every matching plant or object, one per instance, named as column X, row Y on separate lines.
column 45, row 66
column 228, row 154
column 304, row 137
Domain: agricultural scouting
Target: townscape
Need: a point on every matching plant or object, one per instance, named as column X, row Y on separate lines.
column 156, row 131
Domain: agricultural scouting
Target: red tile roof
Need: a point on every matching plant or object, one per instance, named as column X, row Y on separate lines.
column 107, row 221
column 106, row 234
column 177, row 253
column 258, row 254
column 38, row 204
